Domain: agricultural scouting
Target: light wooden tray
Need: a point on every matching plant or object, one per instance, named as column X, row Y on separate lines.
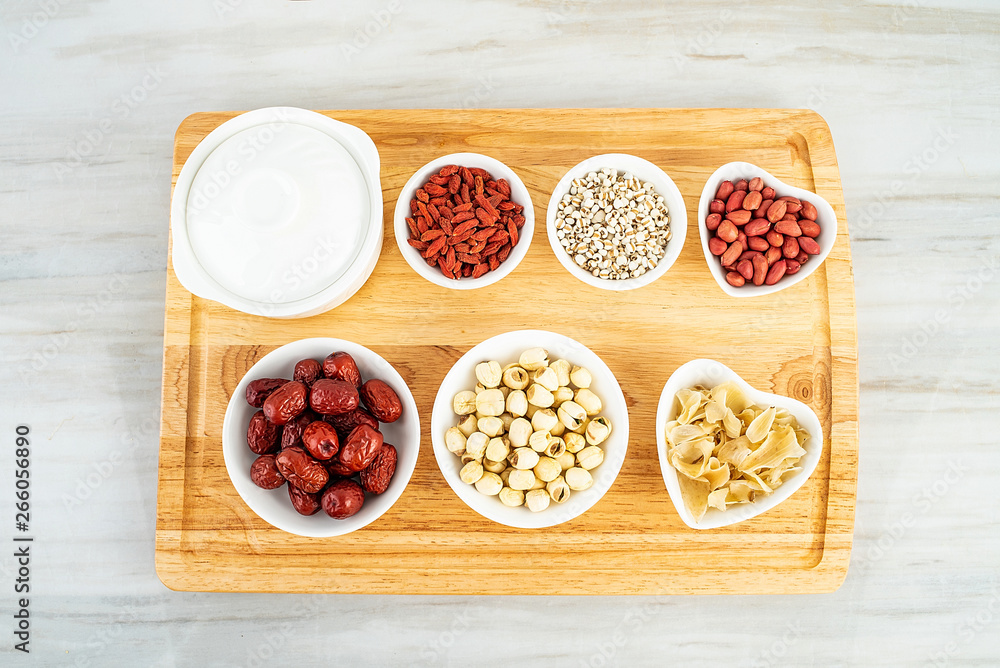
column 799, row 342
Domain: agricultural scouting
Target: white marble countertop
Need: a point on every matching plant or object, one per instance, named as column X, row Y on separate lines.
column 91, row 95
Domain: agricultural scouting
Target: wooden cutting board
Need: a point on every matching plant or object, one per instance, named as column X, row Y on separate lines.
column 799, row 342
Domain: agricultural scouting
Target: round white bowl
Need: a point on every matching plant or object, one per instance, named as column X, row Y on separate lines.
column 506, row 348
column 825, row 216
column 274, row 506
column 242, row 163
column 518, row 193
column 645, row 170
column 709, row 373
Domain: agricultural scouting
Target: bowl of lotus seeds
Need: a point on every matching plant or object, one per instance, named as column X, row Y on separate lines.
column 530, row 428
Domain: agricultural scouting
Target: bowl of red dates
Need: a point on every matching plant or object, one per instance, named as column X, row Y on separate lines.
column 320, row 437
column 761, row 235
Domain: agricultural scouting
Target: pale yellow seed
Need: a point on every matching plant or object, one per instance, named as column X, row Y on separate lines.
column 471, row 472
column 490, row 484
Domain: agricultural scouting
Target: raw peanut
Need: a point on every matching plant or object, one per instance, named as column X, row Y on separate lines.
column 775, row 239
column 381, row 400
column 265, row 474
column 772, row 255
column 717, row 206
column 803, row 256
column 286, row 402
column 767, row 192
column 735, row 200
column 775, row 273
column 758, row 243
column 756, row 228
column 788, row 227
column 735, row 279
column 793, row 206
column 792, row 267
column 790, row 199
column 742, row 238
column 776, row 211
column 717, row 246
column 759, row 269
column 726, row 189
column 752, row 200
column 341, row 366
column 809, row 245
column 809, row 228
column 756, row 184
column 809, row 211
column 746, row 255
column 360, row 448
column 732, row 253
column 307, row 371
column 376, row 476
column 259, row 390
column 301, row 470
column 333, row 397
column 742, row 185
column 745, row 267
column 320, row 440
column 262, row 434
column 761, row 211
column 727, row 231
column 305, row 503
column 343, row 499
column 739, row 217
column 791, row 248
column 712, row 221
column 791, row 217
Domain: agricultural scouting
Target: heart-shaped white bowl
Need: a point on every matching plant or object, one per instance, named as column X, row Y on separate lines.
column 498, row 170
column 506, row 348
column 273, row 506
column 709, row 373
column 825, row 216
column 645, row 170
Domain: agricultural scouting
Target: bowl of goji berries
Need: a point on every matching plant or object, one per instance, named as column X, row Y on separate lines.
column 464, row 221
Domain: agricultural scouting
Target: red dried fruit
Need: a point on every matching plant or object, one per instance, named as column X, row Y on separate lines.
column 262, row 434
column 337, row 469
column 259, row 390
column 320, row 440
column 381, row 400
column 286, row 402
column 265, row 474
column 360, row 447
column 307, row 371
column 343, row 499
column 301, row 470
column 376, row 476
column 291, row 434
column 345, row 423
column 341, row 366
column 332, row 397
column 305, row 503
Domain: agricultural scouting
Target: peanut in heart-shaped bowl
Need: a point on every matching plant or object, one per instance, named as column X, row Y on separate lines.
column 826, row 218
column 709, row 373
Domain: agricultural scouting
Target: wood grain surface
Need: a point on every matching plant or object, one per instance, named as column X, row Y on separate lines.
column 799, row 342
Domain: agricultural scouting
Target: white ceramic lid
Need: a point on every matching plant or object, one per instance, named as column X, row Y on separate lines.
column 278, row 212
